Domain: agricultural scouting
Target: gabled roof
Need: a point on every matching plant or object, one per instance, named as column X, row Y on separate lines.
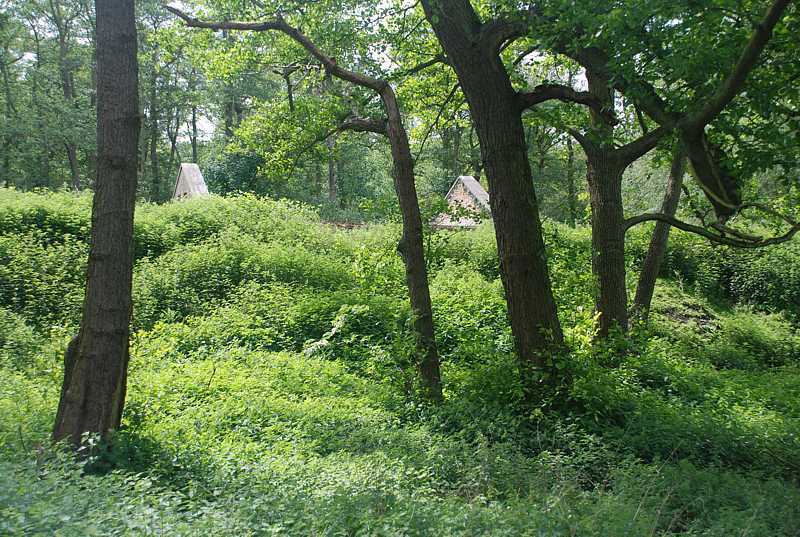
column 190, row 182
column 474, row 188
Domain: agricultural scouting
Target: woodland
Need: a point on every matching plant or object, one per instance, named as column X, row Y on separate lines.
column 614, row 350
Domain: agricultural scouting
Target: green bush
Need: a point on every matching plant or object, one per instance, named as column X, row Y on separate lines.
column 40, row 281
column 189, row 280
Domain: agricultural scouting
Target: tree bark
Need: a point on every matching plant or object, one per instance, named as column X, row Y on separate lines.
column 604, row 176
column 155, row 172
column 333, row 180
column 658, row 242
column 96, row 362
column 411, row 246
column 67, row 84
column 572, row 189
column 497, row 116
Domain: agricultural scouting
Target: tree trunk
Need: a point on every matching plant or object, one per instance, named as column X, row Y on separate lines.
column 333, row 180
column 67, row 86
column 604, row 176
column 72, row 157
column 95, row 373
column 497, row 117
column 658, row 242
column 155, row 173
column 42, row 177
column 572, row 190
column 194, row 134
column 10, row 115
column 411, row 247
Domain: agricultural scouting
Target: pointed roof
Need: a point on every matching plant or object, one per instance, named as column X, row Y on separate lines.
column 466, row 200
column 190, row 182
column 474, row 188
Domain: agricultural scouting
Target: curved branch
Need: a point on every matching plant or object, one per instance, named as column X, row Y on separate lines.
column 279, row 24
column 361, row 124
column 495, row 33
column 750, row 242
column 548, row 92
column 731, row 86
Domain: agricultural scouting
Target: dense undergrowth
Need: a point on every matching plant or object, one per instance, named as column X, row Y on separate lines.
column 271, row 390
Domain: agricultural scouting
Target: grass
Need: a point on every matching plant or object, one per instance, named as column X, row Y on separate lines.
column 248, row 414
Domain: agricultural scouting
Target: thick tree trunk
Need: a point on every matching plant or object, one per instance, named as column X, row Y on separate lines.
column 658, row 242
column 93, row 393
column 497, row 117
column 411, row 247
column 604, row 176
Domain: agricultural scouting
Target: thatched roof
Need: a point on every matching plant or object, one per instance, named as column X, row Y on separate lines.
column 190, row 182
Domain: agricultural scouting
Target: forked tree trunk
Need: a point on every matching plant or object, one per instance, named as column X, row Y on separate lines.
column 96, row 362
column 497, row 117
column 658, row 242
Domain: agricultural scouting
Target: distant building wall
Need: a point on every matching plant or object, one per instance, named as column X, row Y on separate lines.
column 459, row 200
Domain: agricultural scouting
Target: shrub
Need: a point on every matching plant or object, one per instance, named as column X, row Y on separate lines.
column 190, row 279
column 42, row 282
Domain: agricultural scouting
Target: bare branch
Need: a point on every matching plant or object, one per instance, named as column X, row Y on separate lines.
column 439, row 58
column 447, row 100
column 547, row 92
column 745, row 241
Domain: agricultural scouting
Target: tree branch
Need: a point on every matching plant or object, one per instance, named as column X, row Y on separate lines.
column 746, row 241
column 361, row 124
column 747, row 61
column 279, row 24
column 495, row 33
column 629, row 152
column 547, row 92
column 439, row 58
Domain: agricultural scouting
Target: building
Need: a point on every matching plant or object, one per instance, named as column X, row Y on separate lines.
column 467, row 205
column 190, row 182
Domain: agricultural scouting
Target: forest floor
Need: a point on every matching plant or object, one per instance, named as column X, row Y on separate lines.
column 271, row 390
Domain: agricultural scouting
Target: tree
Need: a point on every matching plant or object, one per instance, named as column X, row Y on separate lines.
column 411, row 246
column 473, row 50
column 658, row 241
column 612, row 49
column 96, row 361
